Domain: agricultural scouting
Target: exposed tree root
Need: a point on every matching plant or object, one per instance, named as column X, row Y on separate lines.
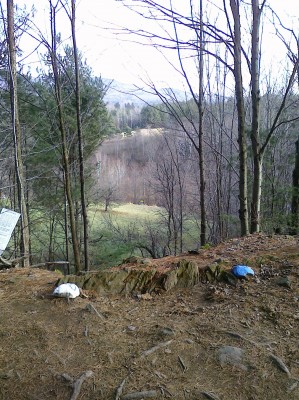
column 76, row 384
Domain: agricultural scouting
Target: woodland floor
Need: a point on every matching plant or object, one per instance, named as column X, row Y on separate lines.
column 164, row 345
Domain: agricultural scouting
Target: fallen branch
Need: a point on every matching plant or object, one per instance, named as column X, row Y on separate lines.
column 91, row 308
column 140, row 395
column 182, row 364
column 157, row 347
column 210, row 395
column 280, row 364
column 11, row 263
column 165, row 391
column 5, row 262
column 119, row 390
column 48, row 264
column 40, row 265
column 76, row 384
column 241, row 337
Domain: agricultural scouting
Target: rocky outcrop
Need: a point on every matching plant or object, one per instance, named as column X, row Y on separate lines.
column 143, row 279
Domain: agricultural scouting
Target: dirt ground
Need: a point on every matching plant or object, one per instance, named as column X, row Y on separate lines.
column 164, row 345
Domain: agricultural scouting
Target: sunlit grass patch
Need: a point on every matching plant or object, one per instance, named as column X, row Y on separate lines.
column 141, row 210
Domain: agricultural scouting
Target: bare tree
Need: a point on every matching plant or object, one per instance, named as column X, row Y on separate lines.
column 65, row 156
column 180, row 111
column 221, row 159
column 170, row 187
column 238, row 75
column 232, row 39
column 259, row 146
column 295, row 195
column 255, row 122
column 200, row 105
column 294, row 58
column 17, row 135
column 80, row 137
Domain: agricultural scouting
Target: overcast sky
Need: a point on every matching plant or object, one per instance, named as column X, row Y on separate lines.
column 111, row 57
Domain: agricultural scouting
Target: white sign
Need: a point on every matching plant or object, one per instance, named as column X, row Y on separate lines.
column 8, row 221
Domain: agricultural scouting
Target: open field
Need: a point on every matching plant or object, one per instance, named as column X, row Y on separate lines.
column 111, row 249
column 114, row 235
column 107, row 247
column 122, row 227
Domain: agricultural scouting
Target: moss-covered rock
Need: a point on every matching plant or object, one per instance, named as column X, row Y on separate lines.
column 114, row 281
column 227, row 277
column 217, row 273
column 212, row 272
column 185, row 274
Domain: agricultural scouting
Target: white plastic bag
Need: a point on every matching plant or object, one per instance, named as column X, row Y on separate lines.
column 68, row 290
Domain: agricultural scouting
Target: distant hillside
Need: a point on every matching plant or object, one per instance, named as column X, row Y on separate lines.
column 125, row 163
column 125, row 93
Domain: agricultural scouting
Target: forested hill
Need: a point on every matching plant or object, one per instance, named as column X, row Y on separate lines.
column 122, row 93
column 125, row 166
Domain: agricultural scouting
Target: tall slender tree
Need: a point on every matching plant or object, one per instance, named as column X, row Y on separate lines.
column 255, row 118
column 65, row 154
column 80, row 136
column 202, row 191
column 258, row 145
column 295, row 194
column 238, row 75
column 190, row 122
column 17, row 134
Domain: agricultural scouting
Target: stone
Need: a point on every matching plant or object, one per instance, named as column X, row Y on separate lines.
column 131, row 328
column 189, row 341
column 167, row 332
column 229, row 355
column 212, row 272
column 227, row 277
column 284, row 281
column 187, row 274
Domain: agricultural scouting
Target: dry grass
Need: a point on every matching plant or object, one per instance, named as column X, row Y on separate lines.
column 42, row 338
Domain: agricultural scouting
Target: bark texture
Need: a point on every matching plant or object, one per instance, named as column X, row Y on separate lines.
column 243, row 179
column 65, row 157
column 17, row 136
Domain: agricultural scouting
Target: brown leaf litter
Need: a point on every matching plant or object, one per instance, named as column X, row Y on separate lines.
column 160, row 345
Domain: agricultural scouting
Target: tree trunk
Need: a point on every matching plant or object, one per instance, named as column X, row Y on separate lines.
column 66, row 226
column 255, row 122
column 256, row 193
column 65, row 158
column 203, row 217
column 17, row 136
column 243, row 211
column 294, row 230
column 80, row 141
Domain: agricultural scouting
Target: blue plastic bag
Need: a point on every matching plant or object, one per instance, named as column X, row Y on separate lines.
column 240, row 271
